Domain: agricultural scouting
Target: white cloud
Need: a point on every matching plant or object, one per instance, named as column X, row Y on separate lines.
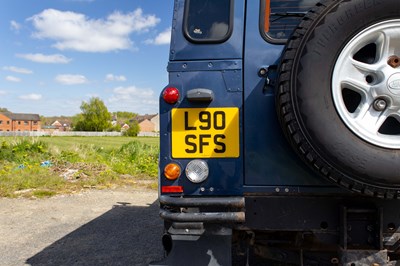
column 18, row 70
column 48, row 59
column 133, row 99
column 15, row 26
column 161, row 39
column 75, row 31
column 112, row 77
column 13, row 79
column 31, row 97
column 68, row 79
column 131, row 93
column 3, row 92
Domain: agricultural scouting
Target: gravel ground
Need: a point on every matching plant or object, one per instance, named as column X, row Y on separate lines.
column 107, row 227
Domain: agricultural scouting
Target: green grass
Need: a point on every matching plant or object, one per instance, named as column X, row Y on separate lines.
column 105, row 142
column 74, row 163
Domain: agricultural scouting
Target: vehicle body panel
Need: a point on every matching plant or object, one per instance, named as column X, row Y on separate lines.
column 262, row 188
column 231, row 70
column 269, row 161
column 217, row 67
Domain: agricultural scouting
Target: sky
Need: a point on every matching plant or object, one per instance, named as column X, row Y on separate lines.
column 55, row 54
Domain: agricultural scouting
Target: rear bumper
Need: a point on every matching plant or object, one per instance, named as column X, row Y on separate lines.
column 204, row 209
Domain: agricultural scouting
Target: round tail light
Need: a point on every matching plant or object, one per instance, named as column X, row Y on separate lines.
column 171, row 95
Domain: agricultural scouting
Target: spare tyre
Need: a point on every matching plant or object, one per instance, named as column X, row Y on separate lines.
column 338, row 97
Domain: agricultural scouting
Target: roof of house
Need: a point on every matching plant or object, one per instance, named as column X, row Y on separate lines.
column 22, row 117
column 141, row 118
column 61, row 123
column 56, row 123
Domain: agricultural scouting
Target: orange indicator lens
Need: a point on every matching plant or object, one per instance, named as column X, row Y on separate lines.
column 172, row 171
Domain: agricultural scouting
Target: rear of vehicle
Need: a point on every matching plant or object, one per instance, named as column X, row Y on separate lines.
column 267, row 153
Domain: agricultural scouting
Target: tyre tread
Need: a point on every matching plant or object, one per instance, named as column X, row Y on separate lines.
column 287, row 115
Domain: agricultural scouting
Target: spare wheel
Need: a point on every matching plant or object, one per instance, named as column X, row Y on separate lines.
column 338, row 97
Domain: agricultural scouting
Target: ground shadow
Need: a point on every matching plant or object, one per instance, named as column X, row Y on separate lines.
column 125, row 235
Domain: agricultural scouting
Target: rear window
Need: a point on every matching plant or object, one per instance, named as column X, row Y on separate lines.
column 280, row 17
column 208, row 20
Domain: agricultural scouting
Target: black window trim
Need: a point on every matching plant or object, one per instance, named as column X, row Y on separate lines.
column 205, row 41
column 263, row 33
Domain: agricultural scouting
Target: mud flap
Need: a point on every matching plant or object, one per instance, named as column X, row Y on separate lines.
column 212, row 247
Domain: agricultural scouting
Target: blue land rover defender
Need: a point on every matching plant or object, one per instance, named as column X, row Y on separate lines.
column 280, row 133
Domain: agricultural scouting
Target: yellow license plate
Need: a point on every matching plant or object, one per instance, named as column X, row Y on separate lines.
column 205, row 132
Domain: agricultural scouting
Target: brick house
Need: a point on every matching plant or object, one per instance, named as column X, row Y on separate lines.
column 124, row 127
column 149, row 123
column 19, row 122
column 62, row 125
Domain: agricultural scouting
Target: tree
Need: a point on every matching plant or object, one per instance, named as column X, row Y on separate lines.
column 75, row 121
column 94, row 116
column 115, row 128
column 3, row 110
column 133, row 129
column 123, row 117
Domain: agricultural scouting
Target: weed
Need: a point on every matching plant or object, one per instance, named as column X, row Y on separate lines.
column 73, row 167
column 43, row 193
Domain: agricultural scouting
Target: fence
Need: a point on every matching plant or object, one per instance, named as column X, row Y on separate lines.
column 148, row 134
column 58, row 133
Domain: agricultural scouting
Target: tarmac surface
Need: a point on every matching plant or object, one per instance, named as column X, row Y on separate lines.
column 96, row 227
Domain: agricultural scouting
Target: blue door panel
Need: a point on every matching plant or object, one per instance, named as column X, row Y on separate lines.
column 269, row 161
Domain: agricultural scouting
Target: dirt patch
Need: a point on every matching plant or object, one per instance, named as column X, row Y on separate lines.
column 106, row 227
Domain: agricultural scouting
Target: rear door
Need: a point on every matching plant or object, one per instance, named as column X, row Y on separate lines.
column 270, row 164
column 206, row 123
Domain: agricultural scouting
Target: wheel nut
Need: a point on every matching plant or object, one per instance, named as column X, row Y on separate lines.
column 394, row 61
column 380, row 104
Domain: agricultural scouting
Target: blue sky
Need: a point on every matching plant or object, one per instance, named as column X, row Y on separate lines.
column 54, row 54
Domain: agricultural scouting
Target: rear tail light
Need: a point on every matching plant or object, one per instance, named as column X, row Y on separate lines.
column 172, row 189
column 171, row 95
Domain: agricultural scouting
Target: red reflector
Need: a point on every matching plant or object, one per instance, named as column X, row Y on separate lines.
column 171, row 189
column 171, row 95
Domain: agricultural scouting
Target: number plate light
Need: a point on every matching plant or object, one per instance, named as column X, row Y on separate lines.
column 197, row 171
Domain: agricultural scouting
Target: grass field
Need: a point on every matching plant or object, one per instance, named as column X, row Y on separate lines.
column 105, row 142
column 44, row 166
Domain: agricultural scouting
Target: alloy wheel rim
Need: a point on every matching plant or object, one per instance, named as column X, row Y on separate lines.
column 366, row 84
